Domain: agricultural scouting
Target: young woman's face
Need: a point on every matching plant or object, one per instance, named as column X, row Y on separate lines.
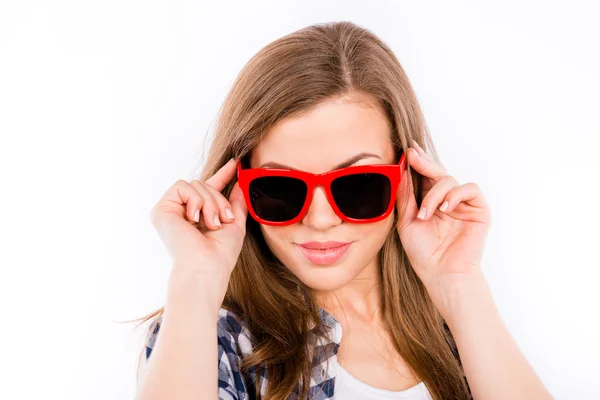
column 328, row 135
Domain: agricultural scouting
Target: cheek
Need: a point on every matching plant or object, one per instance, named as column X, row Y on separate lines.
column 374, row 235
column 276, row 238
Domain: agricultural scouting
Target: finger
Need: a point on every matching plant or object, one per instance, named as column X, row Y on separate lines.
column 425, row 166
column 181, row 199
column 205, row 206
column 419, row 149
column 469, row 193
column 436, row 195
column 223, row 176
column 221, row 201
column 183, row 195
column 422, row 151
column 238, row 206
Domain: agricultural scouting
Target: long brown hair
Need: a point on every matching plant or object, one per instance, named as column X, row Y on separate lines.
column 285, row 78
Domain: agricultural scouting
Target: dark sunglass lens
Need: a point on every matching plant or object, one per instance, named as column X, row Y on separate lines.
column 362, row 196
column 277, row 198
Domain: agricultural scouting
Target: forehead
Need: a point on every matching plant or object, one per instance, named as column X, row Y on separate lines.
column 326, row 135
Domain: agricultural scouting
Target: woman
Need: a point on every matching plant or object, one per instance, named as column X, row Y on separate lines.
column 325, row 246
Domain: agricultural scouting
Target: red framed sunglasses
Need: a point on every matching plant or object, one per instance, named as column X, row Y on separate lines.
column 359, row 194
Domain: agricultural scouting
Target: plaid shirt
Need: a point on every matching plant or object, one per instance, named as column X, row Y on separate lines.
column 235, row 342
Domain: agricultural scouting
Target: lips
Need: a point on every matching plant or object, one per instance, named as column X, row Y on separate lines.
column 322, row 245
column 326, row 256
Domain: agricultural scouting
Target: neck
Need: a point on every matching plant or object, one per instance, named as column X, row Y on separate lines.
column 360, row 299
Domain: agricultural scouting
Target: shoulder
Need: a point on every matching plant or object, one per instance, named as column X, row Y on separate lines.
column 232, row 333
column 454, row 349
column 234, row 338
column 234, row 341
column 451, row 342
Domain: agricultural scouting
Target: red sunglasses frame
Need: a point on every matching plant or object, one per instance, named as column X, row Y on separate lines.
column 392, row 171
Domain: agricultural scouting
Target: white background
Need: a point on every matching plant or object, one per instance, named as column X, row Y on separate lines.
column 104, row 105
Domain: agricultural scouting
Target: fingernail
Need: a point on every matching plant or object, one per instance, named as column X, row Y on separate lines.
column 422, row 213
column 216, row 220
column 414, row 151
column 444, row 206
column 197, row 216
column 229, row 213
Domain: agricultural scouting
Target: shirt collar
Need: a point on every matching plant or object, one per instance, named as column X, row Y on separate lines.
column 333, row 324
column 327, row 318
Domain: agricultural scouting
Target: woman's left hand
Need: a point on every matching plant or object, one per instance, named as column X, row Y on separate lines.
column 445, row 247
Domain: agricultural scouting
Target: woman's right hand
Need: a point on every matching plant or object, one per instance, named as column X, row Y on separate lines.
column 183, row 218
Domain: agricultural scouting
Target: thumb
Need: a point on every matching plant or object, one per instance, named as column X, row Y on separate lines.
column 238, row 205
column 405, row 195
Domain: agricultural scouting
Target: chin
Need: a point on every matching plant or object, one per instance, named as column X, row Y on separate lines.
column 324, row 279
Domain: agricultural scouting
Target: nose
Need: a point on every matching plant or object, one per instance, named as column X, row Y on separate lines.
column 320, row 214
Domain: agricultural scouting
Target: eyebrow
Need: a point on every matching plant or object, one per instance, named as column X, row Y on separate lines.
column 345, row 164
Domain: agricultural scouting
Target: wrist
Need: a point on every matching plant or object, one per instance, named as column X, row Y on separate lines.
column 453, row 294
column 208, row 289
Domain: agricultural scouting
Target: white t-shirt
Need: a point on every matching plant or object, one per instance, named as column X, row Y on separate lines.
column 347, row 387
